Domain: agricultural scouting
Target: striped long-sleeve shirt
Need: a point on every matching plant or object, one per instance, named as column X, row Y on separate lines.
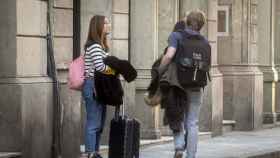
column 94, row 56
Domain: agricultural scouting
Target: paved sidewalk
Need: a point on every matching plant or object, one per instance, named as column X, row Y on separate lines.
column 230, row 145
column 146, row 143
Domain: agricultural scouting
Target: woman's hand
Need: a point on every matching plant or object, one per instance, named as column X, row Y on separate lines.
column 109, row 71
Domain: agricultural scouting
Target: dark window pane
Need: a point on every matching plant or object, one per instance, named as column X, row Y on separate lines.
column 222, row 21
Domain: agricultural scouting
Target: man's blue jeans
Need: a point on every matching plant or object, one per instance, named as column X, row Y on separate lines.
column 190, row 133
column 96, row 114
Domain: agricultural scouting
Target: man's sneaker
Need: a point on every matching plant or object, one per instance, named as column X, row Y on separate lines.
column 178, row 154
column 94, row 155
column 90, row 155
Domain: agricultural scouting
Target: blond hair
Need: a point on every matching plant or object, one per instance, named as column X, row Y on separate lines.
column 195, row 20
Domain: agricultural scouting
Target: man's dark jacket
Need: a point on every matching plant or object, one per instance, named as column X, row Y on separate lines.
column 174, row 98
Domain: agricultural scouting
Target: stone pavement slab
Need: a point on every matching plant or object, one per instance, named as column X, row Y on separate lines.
column 231, row 145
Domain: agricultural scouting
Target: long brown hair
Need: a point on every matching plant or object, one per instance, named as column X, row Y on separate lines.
column 180, row 25
column 95, row 31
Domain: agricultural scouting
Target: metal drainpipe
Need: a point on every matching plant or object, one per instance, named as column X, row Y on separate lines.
column 129, row 30
column 76, row 28
column 58, row 108
column 273, row 108
column 275, row 73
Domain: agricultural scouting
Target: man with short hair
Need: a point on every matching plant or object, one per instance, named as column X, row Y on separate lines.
column 186, row 140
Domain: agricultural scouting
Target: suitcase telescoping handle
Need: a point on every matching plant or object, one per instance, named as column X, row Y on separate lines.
column 117, row 110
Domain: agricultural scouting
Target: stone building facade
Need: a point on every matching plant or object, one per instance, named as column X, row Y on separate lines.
column 244, row 92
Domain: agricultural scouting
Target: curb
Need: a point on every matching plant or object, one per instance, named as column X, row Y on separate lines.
column 269, row 155
column 10, row 155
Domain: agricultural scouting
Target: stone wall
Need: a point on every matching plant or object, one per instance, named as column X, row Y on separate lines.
column 26, row 105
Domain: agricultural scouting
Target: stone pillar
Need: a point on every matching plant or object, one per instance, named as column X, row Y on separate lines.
column 168, row 15
column 26, row 98
column 266, row 59
column 211, row 112
column 144, row 51
column 10, row 116
column 71, row 100
column 237, row 54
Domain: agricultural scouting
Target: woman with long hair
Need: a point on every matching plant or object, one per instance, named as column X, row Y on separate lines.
column 96, row 48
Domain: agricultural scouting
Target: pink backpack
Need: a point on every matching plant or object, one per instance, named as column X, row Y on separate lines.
column 76, row 74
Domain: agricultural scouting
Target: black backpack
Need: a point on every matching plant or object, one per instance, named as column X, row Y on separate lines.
column 193, row 58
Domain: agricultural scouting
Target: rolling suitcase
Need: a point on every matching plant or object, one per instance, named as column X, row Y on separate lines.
column 124, row 137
